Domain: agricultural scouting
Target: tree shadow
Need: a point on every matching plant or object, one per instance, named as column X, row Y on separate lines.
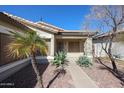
column 26, row 77
column 119, row 75
column 58, row 74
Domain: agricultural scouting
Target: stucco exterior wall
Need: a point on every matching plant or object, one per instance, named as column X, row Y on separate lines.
column 117, row 49
column 117, row 46
column 49, row 39
column 99, row 52
column 42, row 33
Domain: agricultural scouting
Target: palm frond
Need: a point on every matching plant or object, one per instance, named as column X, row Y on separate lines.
column 22, row 44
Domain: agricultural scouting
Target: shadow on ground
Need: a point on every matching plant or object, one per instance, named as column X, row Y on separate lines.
column 57, row 73
column 119, row 74
column 25, row 78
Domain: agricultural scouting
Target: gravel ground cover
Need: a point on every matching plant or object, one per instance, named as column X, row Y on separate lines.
column 26, row 78
column 102, row 77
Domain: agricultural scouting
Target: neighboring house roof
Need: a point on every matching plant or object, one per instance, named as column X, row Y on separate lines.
column 107, row 34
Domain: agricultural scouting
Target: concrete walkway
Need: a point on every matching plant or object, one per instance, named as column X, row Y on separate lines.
column 80, row 78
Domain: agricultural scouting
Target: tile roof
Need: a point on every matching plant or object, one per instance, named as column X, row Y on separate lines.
column 44, row 25
column 49, row 25
column 8, row 19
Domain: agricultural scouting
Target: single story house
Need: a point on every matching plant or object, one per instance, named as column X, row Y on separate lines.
column 117, row 45
column 75, row 42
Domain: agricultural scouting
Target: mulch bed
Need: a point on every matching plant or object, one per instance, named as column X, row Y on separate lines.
column 26, row 78
column 103, row 77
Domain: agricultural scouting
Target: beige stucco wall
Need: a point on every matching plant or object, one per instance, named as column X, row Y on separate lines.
column 41, row 33
column 99, row 52
column 49, row 37
column 117, row 47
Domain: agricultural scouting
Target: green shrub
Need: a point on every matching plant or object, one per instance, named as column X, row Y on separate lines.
column 84, row 61
column 59, row 59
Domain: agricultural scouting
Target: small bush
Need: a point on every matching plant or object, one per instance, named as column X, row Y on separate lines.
column 84, row 61
column 59, row 59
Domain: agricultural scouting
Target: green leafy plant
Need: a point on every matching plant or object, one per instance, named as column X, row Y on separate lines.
column 26, row 44
column 84, row 61
column 60, row 59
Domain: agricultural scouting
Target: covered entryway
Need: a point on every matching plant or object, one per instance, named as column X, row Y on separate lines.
column 74, row 43
column 73, row 47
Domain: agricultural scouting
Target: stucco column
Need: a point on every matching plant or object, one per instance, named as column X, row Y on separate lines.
column 88, row 47
column 52, row 45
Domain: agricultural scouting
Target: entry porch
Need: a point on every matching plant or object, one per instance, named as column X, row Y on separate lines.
column 73, row 47
column 74, row 43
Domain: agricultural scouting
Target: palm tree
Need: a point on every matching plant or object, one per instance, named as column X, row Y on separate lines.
column 26, row 45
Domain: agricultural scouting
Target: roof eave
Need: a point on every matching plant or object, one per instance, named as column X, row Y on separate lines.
column 12, row 21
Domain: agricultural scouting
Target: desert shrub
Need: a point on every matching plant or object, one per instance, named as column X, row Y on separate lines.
column 60, row 59
column 84, row 61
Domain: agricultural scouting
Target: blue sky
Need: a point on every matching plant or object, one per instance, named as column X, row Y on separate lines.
column 66, row 17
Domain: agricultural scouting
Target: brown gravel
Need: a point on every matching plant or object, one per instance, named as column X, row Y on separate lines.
column 102, row 77
column 62, row 80
column 26, row 78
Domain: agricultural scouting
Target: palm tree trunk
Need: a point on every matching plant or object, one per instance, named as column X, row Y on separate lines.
column 34, row 65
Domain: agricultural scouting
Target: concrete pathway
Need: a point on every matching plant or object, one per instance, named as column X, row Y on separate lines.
column 80, row 78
